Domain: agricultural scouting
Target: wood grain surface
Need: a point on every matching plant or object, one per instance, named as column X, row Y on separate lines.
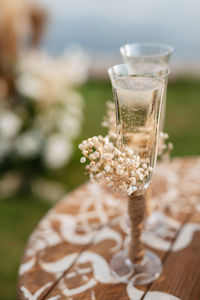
column 68, row 254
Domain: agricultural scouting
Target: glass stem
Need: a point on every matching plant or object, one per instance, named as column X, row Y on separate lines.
column 136, row 212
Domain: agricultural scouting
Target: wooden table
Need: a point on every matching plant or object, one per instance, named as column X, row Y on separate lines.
column 68, row 254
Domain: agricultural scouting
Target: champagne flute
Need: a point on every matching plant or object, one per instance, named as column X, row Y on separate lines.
column 138, row 100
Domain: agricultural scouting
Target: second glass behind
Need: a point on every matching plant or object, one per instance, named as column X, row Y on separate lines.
column 146, row 53
column 147, row 58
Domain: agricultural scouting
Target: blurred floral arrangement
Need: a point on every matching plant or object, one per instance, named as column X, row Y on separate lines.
column 46, row 115
column 41, row 113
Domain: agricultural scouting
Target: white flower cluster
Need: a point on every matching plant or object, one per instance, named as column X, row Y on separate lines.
column 121, row 169
column 163, row 146
column 48, row 113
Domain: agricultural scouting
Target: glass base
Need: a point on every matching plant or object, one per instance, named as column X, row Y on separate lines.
column 157, row 224
column 125, row 271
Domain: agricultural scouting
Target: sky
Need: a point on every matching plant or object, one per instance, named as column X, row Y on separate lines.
column 103, row 26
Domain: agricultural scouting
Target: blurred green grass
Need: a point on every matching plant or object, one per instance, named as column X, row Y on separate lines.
column 20, row 214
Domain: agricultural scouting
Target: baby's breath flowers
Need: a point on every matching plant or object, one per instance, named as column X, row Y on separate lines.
column 163, row 146
column 120, row 169
column 109, row 120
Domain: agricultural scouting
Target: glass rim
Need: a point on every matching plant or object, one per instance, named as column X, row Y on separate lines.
column 152, row 74
column 168, row 49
